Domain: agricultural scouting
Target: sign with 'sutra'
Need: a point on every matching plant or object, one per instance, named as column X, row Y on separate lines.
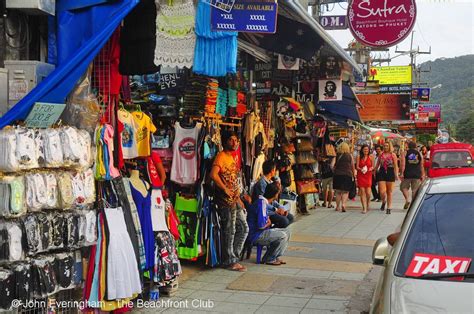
column 381, row 23
column 246, row 17
column 44, row 115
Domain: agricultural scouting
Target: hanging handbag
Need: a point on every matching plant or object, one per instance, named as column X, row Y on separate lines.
column 304, row 172
column 305, row 158
column 353, row 191
column 329, row 150
column 304, row 145
column 306, row 187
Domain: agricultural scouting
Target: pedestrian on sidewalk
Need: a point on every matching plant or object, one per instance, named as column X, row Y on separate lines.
column 224, row 173
column 344, row 173
column 387, row 166
column 375, row 193
column 412, row 172
column 364, row 166
column 260, row 231
column 279, row 216
column 326, row 168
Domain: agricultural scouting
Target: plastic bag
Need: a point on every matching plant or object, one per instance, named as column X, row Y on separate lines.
column 82, row 107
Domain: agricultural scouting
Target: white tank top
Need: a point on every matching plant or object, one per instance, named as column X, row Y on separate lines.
column 184, row 169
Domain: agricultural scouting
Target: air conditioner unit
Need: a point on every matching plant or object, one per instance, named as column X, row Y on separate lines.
column 34, row 7
column 3, row 91
column 23, row 76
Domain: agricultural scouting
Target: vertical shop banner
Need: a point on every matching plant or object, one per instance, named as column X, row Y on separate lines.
column 381, row 23
column 422, row 94
column 392, row 75
column 330, row 90
column 384, row 107
column 247, row 17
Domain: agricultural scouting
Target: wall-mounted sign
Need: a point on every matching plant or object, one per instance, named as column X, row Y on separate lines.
column 384, row 107
column 381, row 23
column 422, row 94
column 392, row 75
column 426, row 125
column 433, row 111
column 395, row 89
column 330, row 90
column 247, row 17
column 44, row 115
column 333, row 22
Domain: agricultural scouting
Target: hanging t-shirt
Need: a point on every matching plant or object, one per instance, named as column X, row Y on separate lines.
column 184, row 169
column 158, row 205
column 153, row 175
column 145, row 127
column 128, row 134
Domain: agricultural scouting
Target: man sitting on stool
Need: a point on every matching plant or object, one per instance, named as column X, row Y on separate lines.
column 260, row 231
column 279, row 216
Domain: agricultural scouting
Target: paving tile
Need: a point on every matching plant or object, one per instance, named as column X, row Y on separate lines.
column 184, row 292
column 234, row 307
column 310, row 273
column 347, row 276
column 214, row 287
column 210, row 278
column 271, row 309
column 324, row 304
column 250, row 298
column 288, row 301
column 210, row 295
column 331, row 297
column 313, row 311
column 192, row 284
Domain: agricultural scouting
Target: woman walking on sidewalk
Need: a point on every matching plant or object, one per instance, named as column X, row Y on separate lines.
column 364, row 166
column 344, row 173
column 387, row 166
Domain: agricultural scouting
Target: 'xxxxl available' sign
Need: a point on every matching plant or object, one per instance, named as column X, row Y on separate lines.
column 422, row 264
column 247, row 17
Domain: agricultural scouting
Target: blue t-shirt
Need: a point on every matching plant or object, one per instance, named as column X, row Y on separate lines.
column 257, row 218
column 259, row 190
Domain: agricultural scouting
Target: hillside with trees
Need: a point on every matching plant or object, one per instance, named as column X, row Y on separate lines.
column 456, row 94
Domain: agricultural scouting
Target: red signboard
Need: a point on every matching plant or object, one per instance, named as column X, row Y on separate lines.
column 426, row 125
column 384, row 107
column 422, row 264
column 381, row 23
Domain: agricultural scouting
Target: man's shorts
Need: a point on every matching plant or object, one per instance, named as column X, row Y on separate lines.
column 326, row 184
column 413, row 183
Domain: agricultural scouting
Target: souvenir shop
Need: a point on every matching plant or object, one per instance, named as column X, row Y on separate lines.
column 108, row 198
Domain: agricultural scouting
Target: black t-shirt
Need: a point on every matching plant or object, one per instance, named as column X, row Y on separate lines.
column 413, row 164
column 326, row 170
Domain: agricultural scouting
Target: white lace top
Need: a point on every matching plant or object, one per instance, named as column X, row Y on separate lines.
column 175, row 37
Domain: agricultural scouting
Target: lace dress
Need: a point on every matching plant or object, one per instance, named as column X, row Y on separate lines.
column 175, row 37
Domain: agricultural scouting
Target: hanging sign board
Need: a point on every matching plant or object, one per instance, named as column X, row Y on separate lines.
column 433, row 111
column 392, row 75
column 333, row 22
column 381, row 23
column 246, row 17
column 43, row 115
column 422, row 94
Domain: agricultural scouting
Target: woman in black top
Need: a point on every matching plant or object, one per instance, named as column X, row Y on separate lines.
column 344, row 173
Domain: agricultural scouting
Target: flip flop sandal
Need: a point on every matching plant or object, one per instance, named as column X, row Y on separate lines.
column 274, row 263
column 237, row 267
column 281, row 261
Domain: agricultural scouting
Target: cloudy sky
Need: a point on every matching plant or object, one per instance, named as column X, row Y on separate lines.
column 445, row 25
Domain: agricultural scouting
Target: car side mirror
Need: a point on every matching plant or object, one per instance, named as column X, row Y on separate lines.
column 380, row 251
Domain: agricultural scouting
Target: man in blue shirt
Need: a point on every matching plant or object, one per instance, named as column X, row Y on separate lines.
column 260, row 231
column 279, row 216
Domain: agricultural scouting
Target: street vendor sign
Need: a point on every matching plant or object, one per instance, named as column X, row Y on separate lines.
column 392, row 75
column 247, row 17
column 43, row 115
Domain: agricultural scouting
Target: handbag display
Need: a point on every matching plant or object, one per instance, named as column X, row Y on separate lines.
column 304, row 145
column 329, row 150
column 305, row 172
column 305, row 158
column 306, row 187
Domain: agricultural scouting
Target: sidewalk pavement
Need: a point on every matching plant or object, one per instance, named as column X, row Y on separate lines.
column 328, row 270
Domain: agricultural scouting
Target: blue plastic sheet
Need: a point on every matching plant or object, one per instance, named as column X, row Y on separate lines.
column 346, row 108
column 80, row 35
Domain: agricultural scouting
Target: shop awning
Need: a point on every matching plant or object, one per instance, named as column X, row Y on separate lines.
column 346, row 108
column 81, row 34
column 298, row 35
column 339, row 120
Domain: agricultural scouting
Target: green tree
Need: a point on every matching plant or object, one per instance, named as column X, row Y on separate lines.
column 465, row 129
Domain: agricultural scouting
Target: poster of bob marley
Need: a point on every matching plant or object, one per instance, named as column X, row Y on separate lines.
column 330, row 90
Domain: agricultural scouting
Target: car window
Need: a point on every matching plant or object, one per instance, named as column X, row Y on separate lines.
column 442, row 226
column 452, row 159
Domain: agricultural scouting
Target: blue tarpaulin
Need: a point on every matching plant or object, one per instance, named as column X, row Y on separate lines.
column 81, row 33
column 345, row 108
